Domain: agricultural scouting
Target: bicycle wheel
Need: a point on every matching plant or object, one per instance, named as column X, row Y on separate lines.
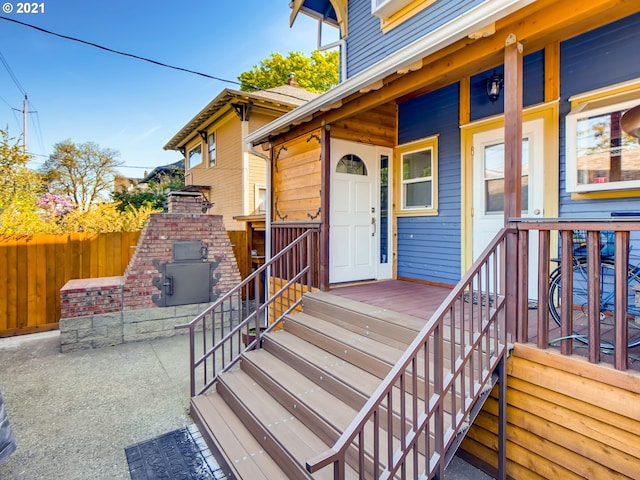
column 607, row 305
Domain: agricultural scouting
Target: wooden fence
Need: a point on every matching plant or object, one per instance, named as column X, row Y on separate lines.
column 35, row 267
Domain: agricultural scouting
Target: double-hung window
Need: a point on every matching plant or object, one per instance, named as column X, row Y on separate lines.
column 211, row 147
column 600, row 156
column 418, row 177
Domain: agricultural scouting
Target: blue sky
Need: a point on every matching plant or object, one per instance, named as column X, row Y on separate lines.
column 86, row 94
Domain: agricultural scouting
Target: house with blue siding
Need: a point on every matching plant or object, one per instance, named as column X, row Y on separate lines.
column 421, row 70
column 437, row 281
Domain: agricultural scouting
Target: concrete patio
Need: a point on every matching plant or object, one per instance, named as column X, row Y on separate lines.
column 73, row 414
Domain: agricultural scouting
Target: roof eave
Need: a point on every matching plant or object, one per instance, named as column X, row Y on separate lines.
column 224, row 98
column 457, row 29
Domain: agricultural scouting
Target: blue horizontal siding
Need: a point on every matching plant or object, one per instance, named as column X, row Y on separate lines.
column 429, row 247
column 367, row 45
column 596, row 59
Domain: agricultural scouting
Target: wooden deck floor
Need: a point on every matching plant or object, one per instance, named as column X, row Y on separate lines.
column 412, row 298
column 421, row 300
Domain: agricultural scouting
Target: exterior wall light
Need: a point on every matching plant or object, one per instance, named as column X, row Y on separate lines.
column 494, row 85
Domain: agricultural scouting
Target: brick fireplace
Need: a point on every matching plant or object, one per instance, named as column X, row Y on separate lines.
column 111, row 310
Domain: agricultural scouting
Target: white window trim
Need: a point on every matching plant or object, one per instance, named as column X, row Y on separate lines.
column 421, row 145
column 256, row 198
column 215, row 160
column 188, row 159
column 583, row 110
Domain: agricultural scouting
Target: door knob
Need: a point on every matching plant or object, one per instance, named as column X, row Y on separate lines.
column 537, row 211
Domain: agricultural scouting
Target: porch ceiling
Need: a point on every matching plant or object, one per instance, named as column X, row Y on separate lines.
column 449, row 54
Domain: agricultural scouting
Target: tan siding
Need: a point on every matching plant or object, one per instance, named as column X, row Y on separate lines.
column 257, row 176
column 259, row 120
column 566, row 418
column 297, row 179
column 225, row 178
column 226, row 192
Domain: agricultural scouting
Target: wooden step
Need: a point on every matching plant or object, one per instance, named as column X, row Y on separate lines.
column 344, row 380
column 392, row 328
column 230, row 441
column 286, row 439
column 358, row 349
column 292, row 399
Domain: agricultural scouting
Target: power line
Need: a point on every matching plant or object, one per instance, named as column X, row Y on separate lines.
column 12, row 75
column 138, row 57
column 118, row 52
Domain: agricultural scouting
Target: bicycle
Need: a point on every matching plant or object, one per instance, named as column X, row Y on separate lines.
column 607, row 293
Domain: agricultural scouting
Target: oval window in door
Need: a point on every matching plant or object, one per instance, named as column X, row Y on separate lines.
column 351, row 164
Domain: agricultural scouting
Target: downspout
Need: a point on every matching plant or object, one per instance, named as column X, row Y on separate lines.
column 267, row 218
column 267, row 213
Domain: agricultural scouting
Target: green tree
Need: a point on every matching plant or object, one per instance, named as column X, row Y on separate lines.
column 317, row 73
column 84, row 172
column 152, row 194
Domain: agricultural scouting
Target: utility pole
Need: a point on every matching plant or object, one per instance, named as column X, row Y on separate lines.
column 24, row 122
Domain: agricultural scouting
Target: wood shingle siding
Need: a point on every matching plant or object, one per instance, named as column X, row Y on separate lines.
column 567, row 418
column 296, row 179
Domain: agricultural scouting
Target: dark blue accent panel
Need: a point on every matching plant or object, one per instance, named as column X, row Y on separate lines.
column 532, row 87
column 428, row 114
column 596, row 59
column 367, row 45
column 322, row 7
column 429, row 247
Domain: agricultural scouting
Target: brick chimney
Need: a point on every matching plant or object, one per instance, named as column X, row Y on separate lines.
column 185, row 202
column 292, row 80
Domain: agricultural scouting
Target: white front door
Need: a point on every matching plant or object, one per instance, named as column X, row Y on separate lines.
column 488, row 186
column 354, row 213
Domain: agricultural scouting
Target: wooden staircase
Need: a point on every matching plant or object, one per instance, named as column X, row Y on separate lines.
column 291, row 400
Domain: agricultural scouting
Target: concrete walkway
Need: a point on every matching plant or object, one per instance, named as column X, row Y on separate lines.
column 73, row 414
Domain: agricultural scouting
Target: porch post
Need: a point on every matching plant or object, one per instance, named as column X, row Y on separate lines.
column 512, row 128
column 325, row 208
column 512, row 171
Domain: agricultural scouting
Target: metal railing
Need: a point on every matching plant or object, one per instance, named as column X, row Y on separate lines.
column 239, row 318
column 433, row 389
column 586, row 291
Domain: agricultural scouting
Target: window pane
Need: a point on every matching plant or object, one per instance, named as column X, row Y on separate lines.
column 416, row 165
column 351, row 164
column 195, row 156
column 417, row 194
column 384, row 208
column 212, row 148
column 605, row 153
column 494, row 177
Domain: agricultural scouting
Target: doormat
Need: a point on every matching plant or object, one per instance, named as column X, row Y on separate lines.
column 180, row 454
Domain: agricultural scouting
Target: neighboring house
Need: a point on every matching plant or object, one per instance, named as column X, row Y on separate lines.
column 164, row 172
column 122, row 183
column 217, row 160
column 420, row 169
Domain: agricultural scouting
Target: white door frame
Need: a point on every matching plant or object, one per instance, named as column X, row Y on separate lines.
column 486, row 225
column 347, row 270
